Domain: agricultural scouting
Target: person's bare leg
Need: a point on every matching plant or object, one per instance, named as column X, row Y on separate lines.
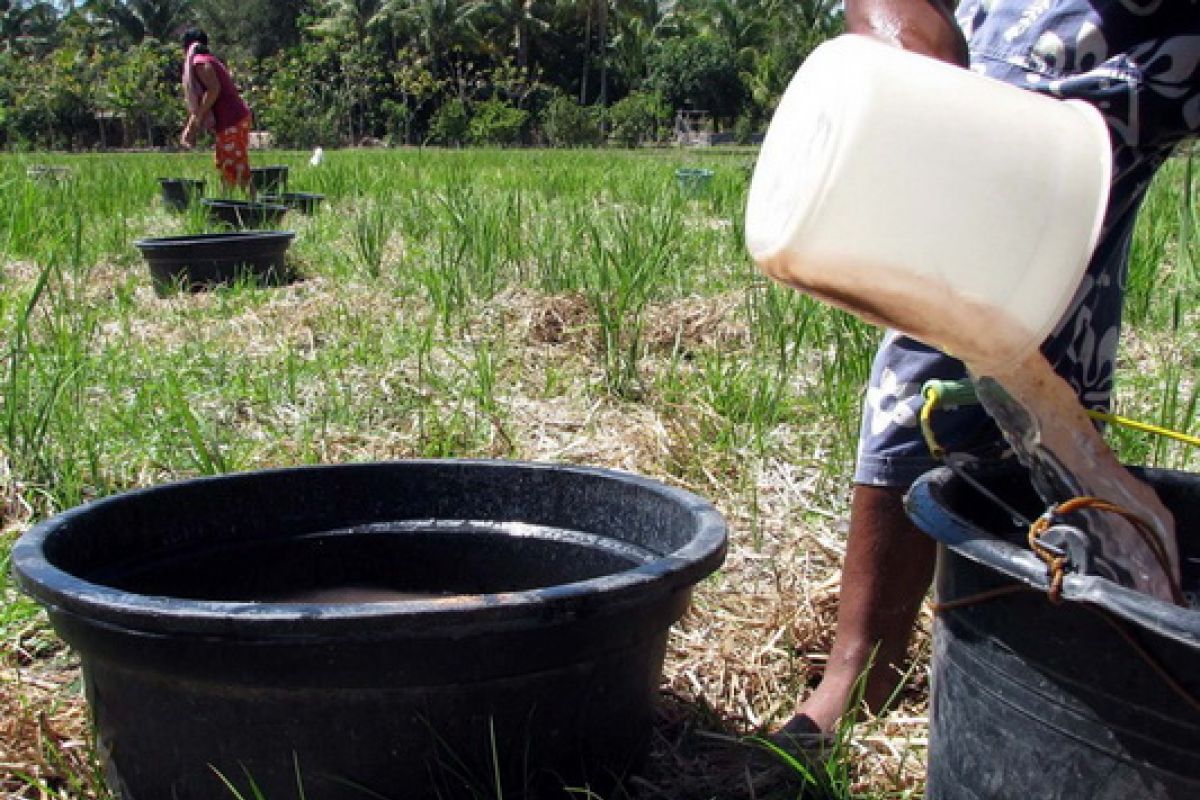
column 888, row 568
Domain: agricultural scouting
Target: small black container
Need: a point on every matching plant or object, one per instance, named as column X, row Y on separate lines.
column 244, row 213
column 179, row 193
column 1040, row 701
column 269, row 180
column 304, row 202
column 202, row 260
column 515, row 648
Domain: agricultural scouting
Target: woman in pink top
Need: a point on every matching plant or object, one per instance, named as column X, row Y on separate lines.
column 214, row 104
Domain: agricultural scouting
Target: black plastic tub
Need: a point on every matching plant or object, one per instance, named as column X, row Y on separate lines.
column 304, row 202
column 415, row 630
column 203, row 260
column 179, row 193
column 269, row 180
column 244, row 213
column 1037, row 701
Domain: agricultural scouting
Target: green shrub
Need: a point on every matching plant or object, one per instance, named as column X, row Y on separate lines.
column 451, row 123
column 399, row 118
column 497, row 122
column 566, row 123
column 289, row 101
column 636, row 118
column 744, row 129
column 698, row 73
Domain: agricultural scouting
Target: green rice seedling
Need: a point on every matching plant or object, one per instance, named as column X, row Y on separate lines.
column 751, row 394
column 18, row 613
column 1165, row 215
column 195, row 220
column 26, row 225
column 444, row 278
column 371, row 234
column 845, row 347
column 1177, row 403
column 450, row 431
column 630, row 257
column 206, row 451
column 415, row 216
column 476, row 227
column 43, row 400
column 558, row 246
column 1187, row 273
column 255, row 793
column 485, row 369
column 780, row 321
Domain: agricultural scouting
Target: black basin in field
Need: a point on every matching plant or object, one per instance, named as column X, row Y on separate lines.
column 179, row 193
column 269, row 180
column 304, row 202
column 1093, row 696
column 244, row 213
column 206, row 259
column 414, row 629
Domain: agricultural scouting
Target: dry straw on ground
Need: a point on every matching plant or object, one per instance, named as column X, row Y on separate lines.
column 752, row 644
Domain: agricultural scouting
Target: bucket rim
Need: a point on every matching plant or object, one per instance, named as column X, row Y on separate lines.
column 926, row 506
column 204, row 244
column 64, row 592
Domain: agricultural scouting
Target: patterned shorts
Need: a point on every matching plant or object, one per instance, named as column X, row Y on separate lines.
column 232, row 154
column 1138, row 62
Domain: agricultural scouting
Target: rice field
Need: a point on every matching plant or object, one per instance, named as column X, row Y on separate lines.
column 573, row 306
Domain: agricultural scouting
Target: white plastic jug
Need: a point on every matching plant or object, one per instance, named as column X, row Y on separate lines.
column 951, row 206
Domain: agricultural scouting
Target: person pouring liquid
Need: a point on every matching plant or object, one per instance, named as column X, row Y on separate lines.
column 1138, row 63
column 215, row 105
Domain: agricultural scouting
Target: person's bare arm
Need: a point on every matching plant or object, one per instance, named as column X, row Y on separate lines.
column 212, row 90
column 923, row 26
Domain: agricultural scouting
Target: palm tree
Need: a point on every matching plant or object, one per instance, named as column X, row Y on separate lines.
column 600, row 8
column 254, row 28
column 20, row 22
column 518, row 23
column 740, row 24
column 356, row 19
column 132, row 21
column 438, row 28
column 796, row 28
column 639, row 25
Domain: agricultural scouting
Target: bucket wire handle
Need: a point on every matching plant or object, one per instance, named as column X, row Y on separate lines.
column 1056, row 561
column 951, row 394
column 948, row 394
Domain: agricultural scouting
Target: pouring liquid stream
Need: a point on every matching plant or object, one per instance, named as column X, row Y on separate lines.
column 1036, row 410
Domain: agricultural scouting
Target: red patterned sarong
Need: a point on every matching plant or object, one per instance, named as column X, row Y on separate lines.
column 233, row 154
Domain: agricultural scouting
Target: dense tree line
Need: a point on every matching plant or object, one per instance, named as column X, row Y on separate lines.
column 105, row 73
